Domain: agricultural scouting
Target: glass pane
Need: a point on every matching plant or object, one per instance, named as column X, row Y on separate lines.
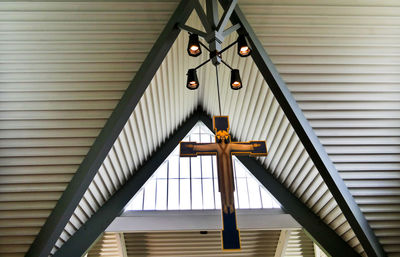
column 254, row 193
column 240, row 170
column 195, row 138
column 184, row 194
column 185, row 167
column 266, row 200
column 243, row 196
column 208, row 194
column 206, row 166
column 197, row 198
column 150, row 195
column 217, row 195
column 196, row 167
column 204, row 129
column 205, row 138
column 176, row 151
column 162, row 171
column 161, row 200
column 173, row 194
column 214, row 163
column 173, row 167
column 275, row 203
column 137, row 202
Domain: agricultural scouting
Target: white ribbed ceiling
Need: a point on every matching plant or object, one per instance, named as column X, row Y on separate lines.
column 299, row 245
column 193, row 243
column 64, row 66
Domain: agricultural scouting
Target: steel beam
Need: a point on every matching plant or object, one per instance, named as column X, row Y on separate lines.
column 90, row 231
column 310, row 141
column 225, row 17
column 202, row 16
column 321, row 232
column 75, row 190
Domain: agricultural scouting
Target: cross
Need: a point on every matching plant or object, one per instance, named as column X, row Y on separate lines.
column 224, row 149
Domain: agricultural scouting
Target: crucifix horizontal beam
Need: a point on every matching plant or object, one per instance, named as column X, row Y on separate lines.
column 322, row 233
column 307, row 136
column 81, row 180
column 92, row 229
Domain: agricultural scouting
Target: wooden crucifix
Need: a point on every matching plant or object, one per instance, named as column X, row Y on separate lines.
column 224, row 149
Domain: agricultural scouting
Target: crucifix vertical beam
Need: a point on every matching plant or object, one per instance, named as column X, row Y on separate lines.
column 78, row 185
column 310, row 141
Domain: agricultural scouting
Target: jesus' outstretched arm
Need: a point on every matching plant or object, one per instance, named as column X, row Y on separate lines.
column 193, row 149
column 249, row 148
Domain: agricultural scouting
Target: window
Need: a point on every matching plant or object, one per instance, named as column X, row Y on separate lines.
column 192, row 183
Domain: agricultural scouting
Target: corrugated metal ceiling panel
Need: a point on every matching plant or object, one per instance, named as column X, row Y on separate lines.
column 165, row 104
column 254, row 243
column 341, row 61
column 107, row 245
column 256, row 115
column 66, row 65
column 299, row 245
column 63, row 68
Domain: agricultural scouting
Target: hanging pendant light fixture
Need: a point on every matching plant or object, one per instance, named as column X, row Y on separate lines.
column 192, row 81
column 194, row 45
column 243, row 49
column 215, row 34
column 236, row 82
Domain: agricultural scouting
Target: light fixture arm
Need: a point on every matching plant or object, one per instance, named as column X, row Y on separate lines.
column 227, row 65
column 203, row 45
column 229, row 46
column 204, row 63
column 213, row 53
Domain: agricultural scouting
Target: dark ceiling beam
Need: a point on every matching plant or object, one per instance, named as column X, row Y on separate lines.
column 97, row 224
column 323, row 235
column 75, row 190
column 307, row 136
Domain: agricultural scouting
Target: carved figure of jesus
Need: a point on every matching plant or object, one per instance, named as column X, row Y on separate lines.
column 223, row 148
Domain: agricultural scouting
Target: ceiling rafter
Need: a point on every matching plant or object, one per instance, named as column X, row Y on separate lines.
column 309, row 139
column 80, row 182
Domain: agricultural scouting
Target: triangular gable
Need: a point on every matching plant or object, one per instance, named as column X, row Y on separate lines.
column 191, row 184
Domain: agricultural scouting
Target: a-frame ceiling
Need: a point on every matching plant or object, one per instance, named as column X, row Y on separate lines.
column 60, row 84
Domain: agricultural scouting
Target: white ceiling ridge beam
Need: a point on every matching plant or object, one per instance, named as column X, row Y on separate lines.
column 200, row 220
column 66, row 205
